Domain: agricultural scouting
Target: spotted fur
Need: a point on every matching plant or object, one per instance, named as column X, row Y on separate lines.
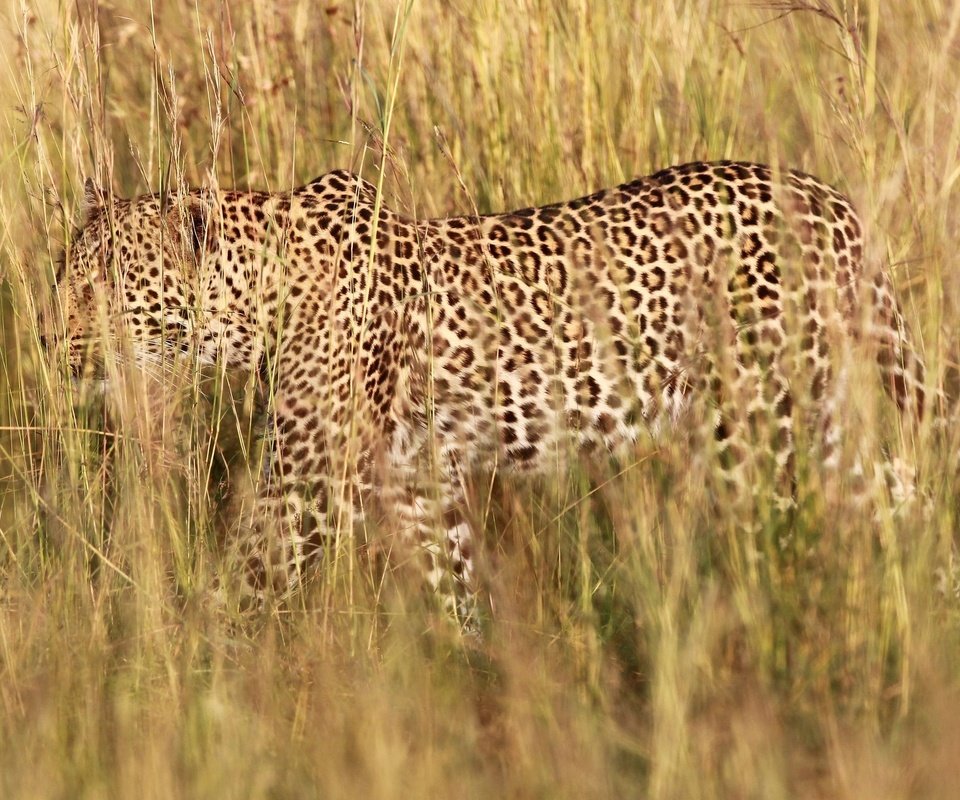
column 402, row 353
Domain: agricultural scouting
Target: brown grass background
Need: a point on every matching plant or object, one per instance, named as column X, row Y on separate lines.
column 642, row 644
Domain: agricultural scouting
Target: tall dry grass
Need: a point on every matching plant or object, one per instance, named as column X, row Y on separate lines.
column 642, row 642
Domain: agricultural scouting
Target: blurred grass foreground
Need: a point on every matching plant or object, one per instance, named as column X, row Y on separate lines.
column 640, row 643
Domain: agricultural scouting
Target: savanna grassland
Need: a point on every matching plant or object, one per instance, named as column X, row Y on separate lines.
column 642, row 639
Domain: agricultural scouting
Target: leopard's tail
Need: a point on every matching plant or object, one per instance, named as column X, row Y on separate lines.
column 902, row 367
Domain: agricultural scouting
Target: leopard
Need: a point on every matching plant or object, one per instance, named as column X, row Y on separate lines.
column 403, row 353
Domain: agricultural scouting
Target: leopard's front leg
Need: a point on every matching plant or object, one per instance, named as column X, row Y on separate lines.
column 305, row 497
column 432, row 533
column 320, row 471
column 280, row 540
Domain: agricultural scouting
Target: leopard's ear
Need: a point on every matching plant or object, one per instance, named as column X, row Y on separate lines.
column 92, row 199
column 205, row 222
column 196, row 219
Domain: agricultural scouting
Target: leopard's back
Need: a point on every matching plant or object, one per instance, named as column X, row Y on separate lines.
column 724, row 282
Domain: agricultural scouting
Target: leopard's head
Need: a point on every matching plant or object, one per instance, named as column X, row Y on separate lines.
column 125, row 284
